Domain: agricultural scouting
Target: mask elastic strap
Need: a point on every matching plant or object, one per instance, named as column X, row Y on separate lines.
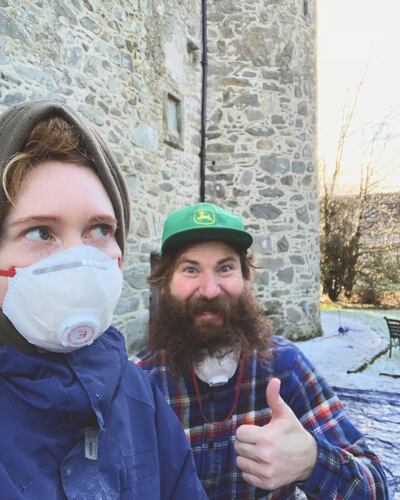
column 235, row 402
column 9, row 273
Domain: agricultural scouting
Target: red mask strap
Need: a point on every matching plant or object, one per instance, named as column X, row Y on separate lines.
column 10, row 273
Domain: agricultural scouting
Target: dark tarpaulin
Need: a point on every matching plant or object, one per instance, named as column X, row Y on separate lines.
column 377, row 415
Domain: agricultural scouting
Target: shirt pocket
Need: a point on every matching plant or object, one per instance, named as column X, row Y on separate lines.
column 142, row 479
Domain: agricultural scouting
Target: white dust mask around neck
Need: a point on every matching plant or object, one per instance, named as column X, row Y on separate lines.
column 217, row 370
column 65, row 301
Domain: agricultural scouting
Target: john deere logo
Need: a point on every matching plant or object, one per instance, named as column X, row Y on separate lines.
column 204, row 216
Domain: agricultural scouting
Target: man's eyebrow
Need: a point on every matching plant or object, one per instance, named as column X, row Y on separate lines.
column 184, row 260
column 224, row 260
column 231, row 258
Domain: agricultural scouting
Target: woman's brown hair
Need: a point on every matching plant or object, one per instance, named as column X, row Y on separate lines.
column 53, row 139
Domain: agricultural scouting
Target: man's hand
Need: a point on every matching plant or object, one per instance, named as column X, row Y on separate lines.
column 279, row 453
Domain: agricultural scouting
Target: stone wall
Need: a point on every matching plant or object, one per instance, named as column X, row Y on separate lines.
column 133, row 68
column 115, row 62
column 261, row 146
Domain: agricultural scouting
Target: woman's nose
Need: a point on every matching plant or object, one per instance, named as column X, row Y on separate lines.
column 72, row 240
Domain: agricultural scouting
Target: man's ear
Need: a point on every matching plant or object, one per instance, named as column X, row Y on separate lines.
column 252, row 274
column 248, row 284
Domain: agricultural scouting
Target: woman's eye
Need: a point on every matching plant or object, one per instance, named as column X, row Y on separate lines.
column 101, row 231
column 38, row 234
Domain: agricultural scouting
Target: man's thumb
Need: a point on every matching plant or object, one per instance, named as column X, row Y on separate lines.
column 274, row 401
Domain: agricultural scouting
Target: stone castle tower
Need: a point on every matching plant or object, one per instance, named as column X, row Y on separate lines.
column 134, row 68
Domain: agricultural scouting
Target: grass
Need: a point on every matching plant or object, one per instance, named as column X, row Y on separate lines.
column 383, row 300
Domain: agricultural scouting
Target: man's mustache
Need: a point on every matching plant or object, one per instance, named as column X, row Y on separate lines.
column 217, row 305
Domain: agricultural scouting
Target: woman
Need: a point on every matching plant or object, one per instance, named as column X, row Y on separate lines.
column 77, row 420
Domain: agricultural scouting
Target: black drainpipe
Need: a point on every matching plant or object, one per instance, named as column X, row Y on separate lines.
column 204, row 63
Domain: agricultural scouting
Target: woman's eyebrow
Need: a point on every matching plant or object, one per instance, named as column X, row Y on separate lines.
column 103, row 219
column 35, row 220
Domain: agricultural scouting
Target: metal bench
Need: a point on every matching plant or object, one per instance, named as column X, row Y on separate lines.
column 394, row 332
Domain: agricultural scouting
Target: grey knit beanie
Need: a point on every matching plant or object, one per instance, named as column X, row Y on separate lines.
column 16, row 125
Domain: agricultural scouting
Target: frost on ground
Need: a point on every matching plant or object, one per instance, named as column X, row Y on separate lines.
column 371, row 399
column 339, row 356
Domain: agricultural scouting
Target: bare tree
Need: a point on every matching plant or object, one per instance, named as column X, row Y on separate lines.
column 349, row 222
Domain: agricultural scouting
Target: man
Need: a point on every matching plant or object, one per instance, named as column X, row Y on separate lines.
column 260, row 419
column 78, row 421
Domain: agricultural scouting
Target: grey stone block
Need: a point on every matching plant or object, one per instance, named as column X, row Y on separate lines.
column 286, row 275
column 265, row 211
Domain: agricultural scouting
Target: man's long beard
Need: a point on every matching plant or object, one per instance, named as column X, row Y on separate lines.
column 173, row 328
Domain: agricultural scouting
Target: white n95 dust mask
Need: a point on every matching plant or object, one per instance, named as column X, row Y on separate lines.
column 65, row 301
column 217, row 370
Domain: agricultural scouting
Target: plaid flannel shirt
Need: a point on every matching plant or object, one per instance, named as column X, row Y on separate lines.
column 346, row 469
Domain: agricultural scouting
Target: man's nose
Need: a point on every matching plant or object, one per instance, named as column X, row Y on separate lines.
column 209, row 286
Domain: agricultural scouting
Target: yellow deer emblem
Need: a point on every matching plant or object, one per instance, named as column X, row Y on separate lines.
column 204, row 216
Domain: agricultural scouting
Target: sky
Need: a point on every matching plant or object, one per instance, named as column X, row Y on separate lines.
column 359, row 41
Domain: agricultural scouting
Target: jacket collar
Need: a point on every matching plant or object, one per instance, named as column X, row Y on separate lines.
column 99, row 368
column 10, row 337
column 81, row 382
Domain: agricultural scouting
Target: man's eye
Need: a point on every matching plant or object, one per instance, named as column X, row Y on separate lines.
column 38, row 234
column 189, row 270
column 225, row 269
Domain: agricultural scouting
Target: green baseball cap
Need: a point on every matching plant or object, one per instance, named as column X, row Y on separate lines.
column 203, row 222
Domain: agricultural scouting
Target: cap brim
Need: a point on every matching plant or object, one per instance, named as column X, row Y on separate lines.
column 236, row 237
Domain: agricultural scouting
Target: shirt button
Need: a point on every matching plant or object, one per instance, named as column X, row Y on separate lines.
column 69, row 417
column 210, row 445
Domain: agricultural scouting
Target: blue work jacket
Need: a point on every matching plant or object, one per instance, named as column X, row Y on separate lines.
column 89, row 425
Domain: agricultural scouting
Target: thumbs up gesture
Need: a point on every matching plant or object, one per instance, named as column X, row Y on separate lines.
column 279, row 453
